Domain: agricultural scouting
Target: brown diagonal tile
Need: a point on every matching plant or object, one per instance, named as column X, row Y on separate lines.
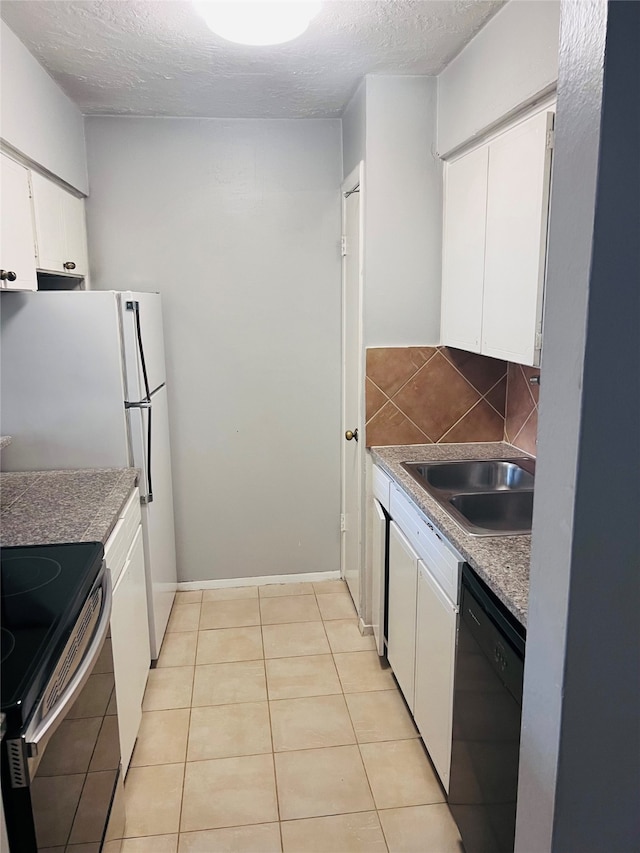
column 529, row 372
column 482, row 423
column 391, row 367
column 436, row 397
column 527, row 437
column 519, row 402
column 497, row 396
column 480, row 370
column 391, row 426
column 374, row 399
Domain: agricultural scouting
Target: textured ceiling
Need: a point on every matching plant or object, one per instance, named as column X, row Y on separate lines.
column 157, row 57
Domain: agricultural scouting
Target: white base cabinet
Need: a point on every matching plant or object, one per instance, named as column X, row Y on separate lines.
column 381, row 488
column 124, row 554
column 403, row 584
column 422, row 610
column 378, row 565
column 436, row 628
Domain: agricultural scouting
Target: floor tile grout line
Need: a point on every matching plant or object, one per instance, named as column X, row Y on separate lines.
column 273, row 754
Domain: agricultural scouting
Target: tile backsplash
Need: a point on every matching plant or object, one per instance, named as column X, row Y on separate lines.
column 424, row 395
column 521, row 415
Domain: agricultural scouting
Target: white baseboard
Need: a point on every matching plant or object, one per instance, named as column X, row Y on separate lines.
column 222, row 583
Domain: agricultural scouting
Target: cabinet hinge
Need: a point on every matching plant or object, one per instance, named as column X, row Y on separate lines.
column 343, row 246
column 538, row 340
column 551, row 138
column 343, row 523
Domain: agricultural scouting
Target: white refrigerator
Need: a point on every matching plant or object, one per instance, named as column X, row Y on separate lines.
column 83, row 385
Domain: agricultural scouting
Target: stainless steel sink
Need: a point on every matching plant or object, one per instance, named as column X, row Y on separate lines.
column 478, row 475
column 498, row 512
column 486, row 497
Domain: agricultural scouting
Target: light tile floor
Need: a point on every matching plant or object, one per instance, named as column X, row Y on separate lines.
column 268, row 725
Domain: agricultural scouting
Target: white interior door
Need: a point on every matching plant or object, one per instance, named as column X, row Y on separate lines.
column 352, row 449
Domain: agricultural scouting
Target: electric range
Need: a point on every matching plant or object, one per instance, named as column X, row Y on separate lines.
column 42, row 591
column 60, row 751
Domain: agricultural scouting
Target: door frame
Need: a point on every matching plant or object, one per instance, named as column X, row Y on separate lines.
column 354, row 181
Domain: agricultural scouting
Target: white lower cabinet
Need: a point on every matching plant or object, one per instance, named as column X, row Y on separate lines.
column 436, row 626
column 124, row 554
column 379, row 506
column 403, row 584
column 378, row 565
column 424, row 573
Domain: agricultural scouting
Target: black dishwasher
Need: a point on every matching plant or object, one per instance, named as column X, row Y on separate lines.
column 486, row 720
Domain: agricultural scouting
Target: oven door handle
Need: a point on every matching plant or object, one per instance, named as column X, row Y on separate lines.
column 37, row 737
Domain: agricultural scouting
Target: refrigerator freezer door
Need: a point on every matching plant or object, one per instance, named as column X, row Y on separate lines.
column 157, row 515
column 143, row 343
column 62, row 381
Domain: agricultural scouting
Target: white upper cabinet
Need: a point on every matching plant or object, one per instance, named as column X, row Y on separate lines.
column 17, row 244
column 495, row 237
column 463, row 250
column 60, row 228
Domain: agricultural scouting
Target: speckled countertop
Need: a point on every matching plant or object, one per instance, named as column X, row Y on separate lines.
column 47, row 507
column 501, row 561
column 5, row 441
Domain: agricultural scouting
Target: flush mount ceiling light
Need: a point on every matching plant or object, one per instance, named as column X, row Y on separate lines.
column 258, row 22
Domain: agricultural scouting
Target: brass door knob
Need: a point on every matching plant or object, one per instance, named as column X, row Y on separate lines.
column 349, row 434
column 69, row 265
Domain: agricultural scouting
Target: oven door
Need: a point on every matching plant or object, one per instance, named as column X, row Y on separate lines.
column 62, row 779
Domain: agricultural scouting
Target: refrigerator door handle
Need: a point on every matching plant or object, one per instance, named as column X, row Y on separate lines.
column 145, row 404
column 134, row 305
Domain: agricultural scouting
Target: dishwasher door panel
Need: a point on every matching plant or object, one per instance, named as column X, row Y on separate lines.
column 486, row 731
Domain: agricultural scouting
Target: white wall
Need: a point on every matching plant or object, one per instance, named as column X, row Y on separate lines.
column 37, row 118
column 579, row 782
column 354, row 130
column 237, row 224
column 512, row 61
column 403, row 213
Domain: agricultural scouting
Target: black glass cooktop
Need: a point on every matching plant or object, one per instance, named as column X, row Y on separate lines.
column 43, row 588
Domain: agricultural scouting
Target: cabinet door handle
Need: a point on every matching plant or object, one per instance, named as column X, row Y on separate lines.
column 69, row 265
column 7, row 275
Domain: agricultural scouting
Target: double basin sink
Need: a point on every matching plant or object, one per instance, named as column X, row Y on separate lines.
column 486, row 497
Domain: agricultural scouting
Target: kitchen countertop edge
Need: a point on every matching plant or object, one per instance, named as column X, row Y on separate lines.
column 52, row 507
column 502, row 562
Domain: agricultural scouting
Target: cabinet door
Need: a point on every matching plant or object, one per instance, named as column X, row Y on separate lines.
column 48, row 207
column 436, row 627
column 75, row 235
column 463, row 250
column 17, row 246
column 516, row 240
column 60, row 228
column 130, row 642
column 401, row 639
column 378, row 573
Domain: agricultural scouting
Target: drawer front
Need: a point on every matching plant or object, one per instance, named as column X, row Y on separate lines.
column 119, row 543
column 381, row 487
column 443, row 561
